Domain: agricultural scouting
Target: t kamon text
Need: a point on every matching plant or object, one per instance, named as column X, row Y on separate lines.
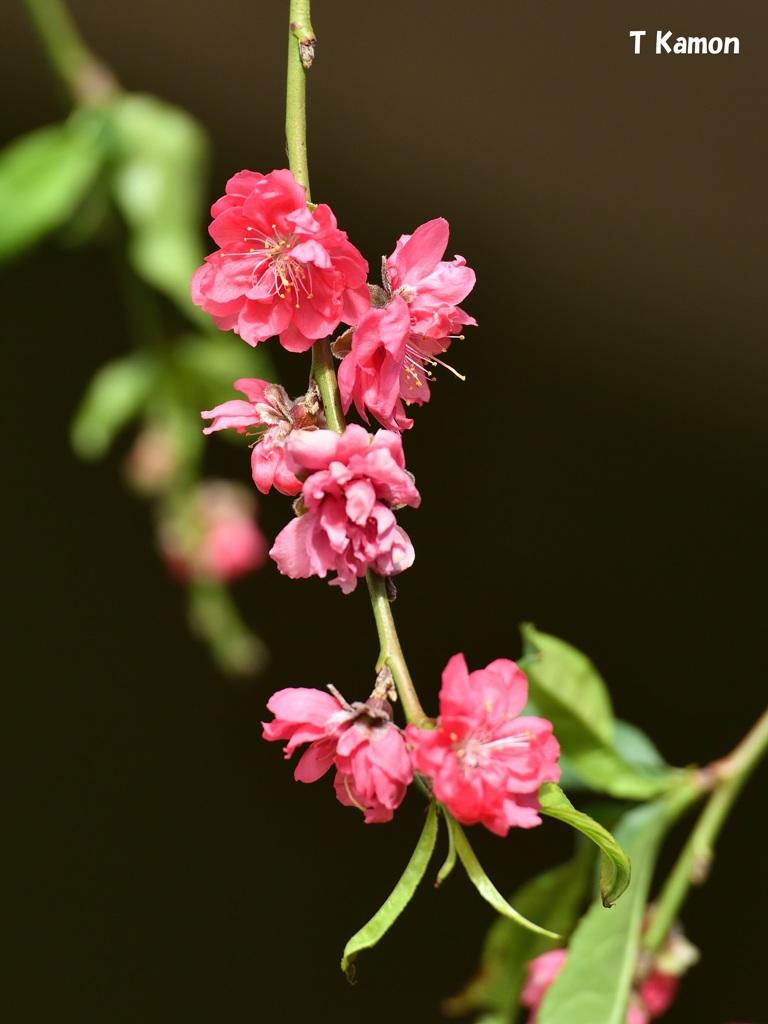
column 666, row 43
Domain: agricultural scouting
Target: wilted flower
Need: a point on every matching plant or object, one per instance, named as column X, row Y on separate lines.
column 282, row 267
column 351, row 483
column 268, row 407
column 373, row 770
column 485, row 763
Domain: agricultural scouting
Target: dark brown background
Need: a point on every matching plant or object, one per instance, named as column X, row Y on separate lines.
column 601, row 473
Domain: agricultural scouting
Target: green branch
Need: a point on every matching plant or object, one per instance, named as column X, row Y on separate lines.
column 725, row 779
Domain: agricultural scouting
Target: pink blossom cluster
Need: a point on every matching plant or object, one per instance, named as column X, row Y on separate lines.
column 284, row 268
column 481, row 760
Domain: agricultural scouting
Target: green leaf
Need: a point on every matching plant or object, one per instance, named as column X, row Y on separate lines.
column 638, row 749
column 44, row 176
column 615, row 874
column 398, row 899
column 158, row 187
column 116, row 394
column 555, row 898
column 567, row 689
column 484, row 885
column 211, row 362
column 449, row 863
column 593, row 986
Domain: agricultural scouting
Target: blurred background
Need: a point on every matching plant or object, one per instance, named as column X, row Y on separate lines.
column 600, row 473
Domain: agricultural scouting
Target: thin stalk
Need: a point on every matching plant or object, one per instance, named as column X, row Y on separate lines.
column 391, row 653
column 725, row 778
column 301, row 43
column 83, row 75
column 324, row 375
column 301, row 38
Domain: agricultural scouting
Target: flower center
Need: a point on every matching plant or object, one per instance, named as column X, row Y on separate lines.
column 273, row 266
column 474, row 751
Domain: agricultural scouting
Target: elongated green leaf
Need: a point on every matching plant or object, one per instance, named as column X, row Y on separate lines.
column 554, row 898
column 158, row 187
column 43, row 178
column 567, row 689
column 484, row 885
column 115, row 395
column 615, row 875
column 593, row 986
column 398, row 899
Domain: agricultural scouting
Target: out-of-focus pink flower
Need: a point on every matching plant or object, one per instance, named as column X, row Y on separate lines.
column 269, row 407
column 373, row 770
column 282, row 268
column 415, row 316
column 635, row 1015
column 542, row 971
column 154, row 459
column 485, row 762
column 351, row 483
column 658, row 991
column 215, row 536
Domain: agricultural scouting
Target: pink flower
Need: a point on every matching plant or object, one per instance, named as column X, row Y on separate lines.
column 373, row 770
column 412, row 323
column 351, row 483
column 215, row 536
column 268, row 406
column 542, row 971
column 486, row 764
column 431, row 287
column 658, row 991
column 282, row 268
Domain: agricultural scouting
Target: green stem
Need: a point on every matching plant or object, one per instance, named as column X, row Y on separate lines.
column 324, row 375
column 299, row 38
column 85, row 78
column 391, row 653
column 725, row 778
column 301, row 41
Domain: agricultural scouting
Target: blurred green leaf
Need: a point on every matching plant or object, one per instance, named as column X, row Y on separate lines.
column 212, row 362
column 398, row 899
column 116, row 394
column 567, row 689
column 637, row 748
column 213, row 615
column 593, row 986
column 44, row 176
column 615, row 874
column 554, row 898
column 158, row 187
